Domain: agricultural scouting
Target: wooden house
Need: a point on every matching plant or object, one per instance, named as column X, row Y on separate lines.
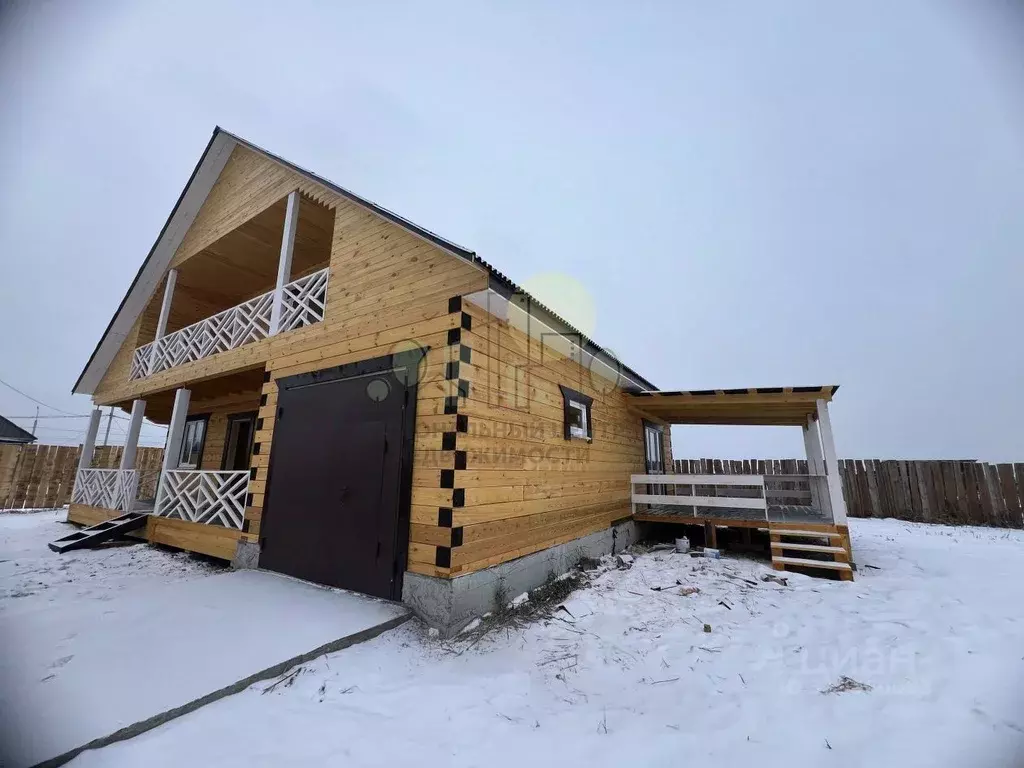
column 356, row 401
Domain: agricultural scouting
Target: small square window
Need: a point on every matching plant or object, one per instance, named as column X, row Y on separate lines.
column 578, row 424
column 576, row 417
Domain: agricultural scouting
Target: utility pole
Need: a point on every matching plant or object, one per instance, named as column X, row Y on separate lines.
column 110, row 418
column 35, row 421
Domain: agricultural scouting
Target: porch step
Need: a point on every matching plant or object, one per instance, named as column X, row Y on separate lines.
column 831, row 543
column 803, row 562
column 806, row 547
column 99, row 533
column 833, row 534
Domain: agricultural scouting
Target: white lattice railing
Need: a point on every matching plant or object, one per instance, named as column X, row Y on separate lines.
column 216, row 498
column 106, row 488
column 303, row 303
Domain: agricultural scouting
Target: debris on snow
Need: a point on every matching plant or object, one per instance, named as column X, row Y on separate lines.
column 470, row 627
column 707, row 628
column 624, row 561
column 286, row 680
column 687, row 591
column 519, row 600
column 777, row 579
column 845, row 684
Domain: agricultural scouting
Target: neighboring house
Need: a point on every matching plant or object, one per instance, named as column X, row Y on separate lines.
column 12, row 434
column 355, row 401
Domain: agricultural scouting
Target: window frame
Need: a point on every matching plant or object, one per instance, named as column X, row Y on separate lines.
column 199, row 418
column 234, row 419
column 573, row 400
column 658, row 430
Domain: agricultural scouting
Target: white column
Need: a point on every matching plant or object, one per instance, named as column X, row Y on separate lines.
column 284, row 263
column 835, row 483
column 176, row 429
column 165, row 312
column 172, row 448
column 85, row 460
column 815, row 466
column 131, row 443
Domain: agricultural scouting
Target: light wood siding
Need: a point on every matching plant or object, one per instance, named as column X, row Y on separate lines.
column 249, row 183
column 493, row 476
column 517, row 485
column 217, row 426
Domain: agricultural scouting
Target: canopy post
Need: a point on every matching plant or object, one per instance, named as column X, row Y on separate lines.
column 835, row 484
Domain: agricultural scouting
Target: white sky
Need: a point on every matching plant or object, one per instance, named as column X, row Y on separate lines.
column 752, row 194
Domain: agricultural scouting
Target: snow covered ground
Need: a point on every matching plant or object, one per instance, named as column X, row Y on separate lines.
column 80, row 669
column 32, row 577
column 627, row 674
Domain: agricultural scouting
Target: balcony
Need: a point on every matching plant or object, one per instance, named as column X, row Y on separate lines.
column 303, row 302
column 266, row 276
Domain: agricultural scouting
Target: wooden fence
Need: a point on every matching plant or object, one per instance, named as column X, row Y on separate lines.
column 956, row 492
column 42, row 476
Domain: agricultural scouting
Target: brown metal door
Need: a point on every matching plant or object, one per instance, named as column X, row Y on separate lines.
column 332, row 510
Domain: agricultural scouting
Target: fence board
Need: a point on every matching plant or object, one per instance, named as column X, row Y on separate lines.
column 970, row 480
column 995, row 491
column 24, row 477
column 1018, row 470
column 955, row 492
column 923, row 478
column 985, row 500
column 43, row 476
column 1011, row 505
column 8, row 463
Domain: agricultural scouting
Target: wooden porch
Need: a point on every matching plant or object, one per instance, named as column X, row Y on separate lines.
column 198, row 498
column 803, row 514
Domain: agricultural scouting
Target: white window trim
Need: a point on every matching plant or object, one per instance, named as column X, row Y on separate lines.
column 582, row 432
column 186, row 442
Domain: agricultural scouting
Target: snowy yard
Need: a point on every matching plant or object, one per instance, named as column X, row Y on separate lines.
column 627, row 675
column 145, row 633
column 32, row 577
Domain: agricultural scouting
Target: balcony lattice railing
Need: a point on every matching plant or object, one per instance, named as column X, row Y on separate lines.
column 106, row 488
column 199, row 496
column 303, row 303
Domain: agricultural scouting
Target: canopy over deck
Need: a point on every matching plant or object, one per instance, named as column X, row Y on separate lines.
column 770, row 406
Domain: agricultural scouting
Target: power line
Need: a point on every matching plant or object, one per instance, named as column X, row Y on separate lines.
column 51, row 416
column 37, row 402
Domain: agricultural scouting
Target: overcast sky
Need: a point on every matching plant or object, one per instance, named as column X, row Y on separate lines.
column 751, row 194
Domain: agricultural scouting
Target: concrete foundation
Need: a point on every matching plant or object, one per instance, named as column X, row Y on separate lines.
column 450, row 604
column 247, row 556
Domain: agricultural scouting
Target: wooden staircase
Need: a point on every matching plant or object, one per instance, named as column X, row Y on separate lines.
column 829, row 544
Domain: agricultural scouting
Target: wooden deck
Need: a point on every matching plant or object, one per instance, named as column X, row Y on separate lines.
column 788, row 513
column 811, row 544
column 212, row 540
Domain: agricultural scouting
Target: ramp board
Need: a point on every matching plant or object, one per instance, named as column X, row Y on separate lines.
column 99, row 533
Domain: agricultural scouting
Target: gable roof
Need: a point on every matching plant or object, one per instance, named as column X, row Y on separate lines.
column 12, row 433
column 191, row 199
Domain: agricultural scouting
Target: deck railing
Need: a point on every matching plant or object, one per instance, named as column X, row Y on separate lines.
column 106, row 488
column 776, row 498
column 303, row 303
column 200, row 496
column 701, row 491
